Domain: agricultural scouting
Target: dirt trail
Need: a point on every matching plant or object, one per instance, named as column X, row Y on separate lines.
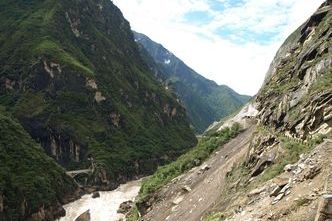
column 189, row 196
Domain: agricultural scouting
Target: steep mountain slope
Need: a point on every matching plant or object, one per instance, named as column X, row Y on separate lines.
column 280, row 167
column 297, row 95
column 71, row 73
column 30, row 181
column 205, row 101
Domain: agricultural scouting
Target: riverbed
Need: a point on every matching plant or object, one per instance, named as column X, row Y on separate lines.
column 105, row 207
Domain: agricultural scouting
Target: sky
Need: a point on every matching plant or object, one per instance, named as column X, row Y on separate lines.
column 231, row 42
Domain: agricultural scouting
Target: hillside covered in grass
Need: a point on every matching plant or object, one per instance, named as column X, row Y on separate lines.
column 30, row 181
column 72, row 75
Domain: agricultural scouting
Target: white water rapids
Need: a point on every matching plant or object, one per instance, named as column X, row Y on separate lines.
column 105, row 207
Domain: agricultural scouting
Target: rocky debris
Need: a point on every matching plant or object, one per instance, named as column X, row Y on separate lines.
column 204, row 168
column 52, row 68
column 84, row 216
column 302, row 61
column 283, row 192
column 91, row 83
column 257, row 191
column 178, row 200
column 186, row 188
column 74, row 25
column 289, row 167
column 99, row 97
column 125, row 207
column 115, row 118
column 275, row 191
column 95, row 194
column 310, row 172
column 324, row 212
column 262, row 165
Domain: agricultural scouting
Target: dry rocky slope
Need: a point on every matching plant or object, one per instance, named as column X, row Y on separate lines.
column 280, row 167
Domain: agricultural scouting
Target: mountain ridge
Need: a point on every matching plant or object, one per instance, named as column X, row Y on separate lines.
column 205, row 100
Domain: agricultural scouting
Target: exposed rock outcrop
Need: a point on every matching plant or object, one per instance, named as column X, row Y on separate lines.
column 296, row 96
column 84, row 216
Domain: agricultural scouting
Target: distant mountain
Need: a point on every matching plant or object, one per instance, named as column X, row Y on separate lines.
column 71, row 74
column 205, row 101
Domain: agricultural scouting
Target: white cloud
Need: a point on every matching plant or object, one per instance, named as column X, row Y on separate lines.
column 225, row 59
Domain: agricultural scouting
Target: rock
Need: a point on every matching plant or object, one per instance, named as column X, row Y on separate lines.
column 205, row 167
column 282, row 180
column 84, row 216
column 178, row 200
column 95, row 194
column 324, row 212
column 311, row 172
column 261, row 166
column 257, row 191
column 186, row 188
column 125, row 207
column 275, row 191
column 278, row 198
column 99, row 97
column 285, row 188
column 289, row 167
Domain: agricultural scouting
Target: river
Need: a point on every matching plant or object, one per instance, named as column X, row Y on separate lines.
column 105, row 207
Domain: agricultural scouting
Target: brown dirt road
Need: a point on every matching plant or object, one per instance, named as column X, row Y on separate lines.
column 189, row 196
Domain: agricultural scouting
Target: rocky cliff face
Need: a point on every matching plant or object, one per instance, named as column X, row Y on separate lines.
column 72, row 74
column 32, row 185
column 297, row 96
column 205, row 101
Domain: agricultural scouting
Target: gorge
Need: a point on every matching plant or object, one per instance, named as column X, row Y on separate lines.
column 94, row 115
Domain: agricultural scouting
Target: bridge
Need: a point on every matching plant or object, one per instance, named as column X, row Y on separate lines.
column 88, row 171
column 74, row 173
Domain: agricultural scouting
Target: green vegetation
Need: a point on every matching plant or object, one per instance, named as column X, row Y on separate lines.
column 204, row 100
column 133, row 214
column 187, row 161
column 218, row 216
column 293, row 150
column 29, row 179
column 50, row 50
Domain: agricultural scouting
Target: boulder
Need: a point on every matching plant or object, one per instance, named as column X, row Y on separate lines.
column 125, row 207
column 278, row 198
column 186, row 188
column 95, row 194
column 257, row 191
column 289, row 167
column 204, row 168
column 178, row 200
column 261, row 166
column 84, row 216
column 275, row 191
column 311, row 172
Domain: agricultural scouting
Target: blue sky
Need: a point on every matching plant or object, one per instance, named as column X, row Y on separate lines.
column 229, row 41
